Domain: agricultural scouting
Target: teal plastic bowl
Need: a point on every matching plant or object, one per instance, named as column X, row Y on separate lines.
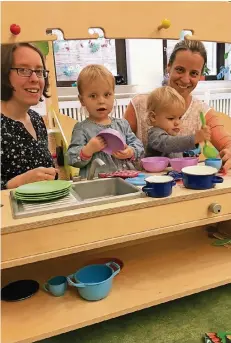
column 214, row 162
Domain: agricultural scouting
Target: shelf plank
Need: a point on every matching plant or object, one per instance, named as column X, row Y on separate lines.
column 161, row 269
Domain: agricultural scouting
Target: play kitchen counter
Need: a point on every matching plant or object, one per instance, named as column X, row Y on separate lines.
column 162, row 242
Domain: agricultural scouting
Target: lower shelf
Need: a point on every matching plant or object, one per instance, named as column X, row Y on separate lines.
column 156, row 271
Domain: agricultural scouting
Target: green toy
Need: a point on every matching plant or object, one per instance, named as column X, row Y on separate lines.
column 208, row 151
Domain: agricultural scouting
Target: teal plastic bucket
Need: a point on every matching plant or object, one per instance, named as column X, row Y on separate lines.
column 94, row 282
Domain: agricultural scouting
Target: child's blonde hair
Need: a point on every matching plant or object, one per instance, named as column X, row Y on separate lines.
column 160, row 99
column 93, row 72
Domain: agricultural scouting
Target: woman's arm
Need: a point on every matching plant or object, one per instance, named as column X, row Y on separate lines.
column 220, row 137
column 130, row 116
column 33, row 175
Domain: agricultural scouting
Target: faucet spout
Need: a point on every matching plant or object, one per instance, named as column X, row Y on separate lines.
column 97, row 162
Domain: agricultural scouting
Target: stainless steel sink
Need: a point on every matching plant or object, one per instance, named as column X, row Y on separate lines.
column 83, row 194
column 104, row 188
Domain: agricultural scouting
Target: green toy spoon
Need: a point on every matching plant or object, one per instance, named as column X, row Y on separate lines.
column 208, row 151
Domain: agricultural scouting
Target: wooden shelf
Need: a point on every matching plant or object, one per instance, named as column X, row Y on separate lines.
column 157, row 270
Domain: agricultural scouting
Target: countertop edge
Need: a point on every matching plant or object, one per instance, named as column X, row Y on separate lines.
column 99, row 211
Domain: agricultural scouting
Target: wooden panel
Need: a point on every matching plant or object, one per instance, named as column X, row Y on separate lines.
column 62, row 239
column 168, row 268
column 179, row 194
column 184, row 15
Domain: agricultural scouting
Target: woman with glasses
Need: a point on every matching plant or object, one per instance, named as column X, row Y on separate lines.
column 25, row 156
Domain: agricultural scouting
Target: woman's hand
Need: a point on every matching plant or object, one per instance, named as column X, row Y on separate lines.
column 128, row 152
column 226, row 158
column 33, row 175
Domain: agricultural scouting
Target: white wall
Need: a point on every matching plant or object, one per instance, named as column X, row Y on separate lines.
column 144, row 63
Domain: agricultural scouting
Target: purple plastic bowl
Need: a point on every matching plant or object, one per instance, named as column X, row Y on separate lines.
column 178, row 163
column 114, row 140
column 155, row 164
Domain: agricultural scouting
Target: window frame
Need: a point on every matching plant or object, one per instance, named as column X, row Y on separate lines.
column 121, row 63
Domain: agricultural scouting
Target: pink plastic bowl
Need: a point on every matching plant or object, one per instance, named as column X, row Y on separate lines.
column 155, row 164
column 114, row 140
column 178, row 163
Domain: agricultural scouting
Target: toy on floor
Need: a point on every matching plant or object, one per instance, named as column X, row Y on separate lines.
column 220, row 337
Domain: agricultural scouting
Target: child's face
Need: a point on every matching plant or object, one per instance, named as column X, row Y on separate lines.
column 98, row 98
column 169, row 120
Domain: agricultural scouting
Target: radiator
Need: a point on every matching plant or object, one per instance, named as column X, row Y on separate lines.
column 221, row 102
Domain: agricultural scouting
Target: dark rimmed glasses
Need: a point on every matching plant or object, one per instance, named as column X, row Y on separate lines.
column 27, row 72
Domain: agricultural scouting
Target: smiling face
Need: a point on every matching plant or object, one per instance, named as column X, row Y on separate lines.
column 98, row 98
column 185, row 72
column 27, row 90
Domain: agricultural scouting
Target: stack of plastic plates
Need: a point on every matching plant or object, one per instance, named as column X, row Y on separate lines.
column 43, row 191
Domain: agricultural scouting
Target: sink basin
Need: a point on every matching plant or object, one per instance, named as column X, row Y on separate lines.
column 83, row 194
column 104, row 188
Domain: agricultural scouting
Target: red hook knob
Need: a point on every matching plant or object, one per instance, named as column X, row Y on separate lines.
column 15, row 29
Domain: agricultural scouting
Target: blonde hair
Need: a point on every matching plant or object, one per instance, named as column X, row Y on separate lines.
column 160, row 99
column 93, row 72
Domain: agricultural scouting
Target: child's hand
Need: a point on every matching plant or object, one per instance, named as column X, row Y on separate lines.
column 124, row 154
column 203, row 135
column 94, row 145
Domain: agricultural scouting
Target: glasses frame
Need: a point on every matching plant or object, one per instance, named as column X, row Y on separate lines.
column 33, row 71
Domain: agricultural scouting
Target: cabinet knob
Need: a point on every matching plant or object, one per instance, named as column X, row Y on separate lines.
column 215, row 208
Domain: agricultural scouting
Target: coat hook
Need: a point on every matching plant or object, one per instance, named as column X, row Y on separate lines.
column 165, row 24
column 15, row 29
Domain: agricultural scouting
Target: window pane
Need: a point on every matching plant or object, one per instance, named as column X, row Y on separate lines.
column 71, row 56
column 211, row 48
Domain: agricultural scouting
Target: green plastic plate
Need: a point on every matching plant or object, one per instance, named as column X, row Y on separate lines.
column 41, row 198
column 43, row 187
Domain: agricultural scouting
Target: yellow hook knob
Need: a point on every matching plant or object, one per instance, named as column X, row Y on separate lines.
column 165, row 24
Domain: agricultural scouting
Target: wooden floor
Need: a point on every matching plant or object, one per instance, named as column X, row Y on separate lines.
column 158, row 270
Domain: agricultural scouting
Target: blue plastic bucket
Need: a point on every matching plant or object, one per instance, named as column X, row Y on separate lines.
column 94, row 282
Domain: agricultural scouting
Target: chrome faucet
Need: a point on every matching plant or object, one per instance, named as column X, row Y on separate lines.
column 95, row 163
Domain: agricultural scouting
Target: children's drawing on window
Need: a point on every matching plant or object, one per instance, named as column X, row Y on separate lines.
column 73, row 55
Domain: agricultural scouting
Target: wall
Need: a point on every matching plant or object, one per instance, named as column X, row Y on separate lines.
column 144, row 62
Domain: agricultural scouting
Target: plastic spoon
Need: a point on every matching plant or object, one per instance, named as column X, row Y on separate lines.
column 208, row 151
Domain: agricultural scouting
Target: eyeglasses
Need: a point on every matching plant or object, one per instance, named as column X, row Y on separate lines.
column 26, row 72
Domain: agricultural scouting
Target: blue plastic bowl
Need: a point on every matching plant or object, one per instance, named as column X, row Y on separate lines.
column 214, row 162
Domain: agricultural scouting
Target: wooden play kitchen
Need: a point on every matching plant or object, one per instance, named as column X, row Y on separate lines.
column 162, row 243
